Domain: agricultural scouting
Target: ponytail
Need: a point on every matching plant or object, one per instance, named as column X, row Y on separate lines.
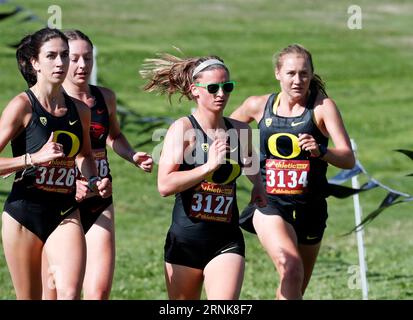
column 24, row 54
column 317, row 84
column 169, row 74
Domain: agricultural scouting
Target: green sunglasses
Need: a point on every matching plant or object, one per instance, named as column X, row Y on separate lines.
column 212, row 88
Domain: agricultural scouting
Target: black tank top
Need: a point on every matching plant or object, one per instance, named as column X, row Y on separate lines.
column 293, row 174
column 59, row 176
column 99, row 130
column 209, row 209
column 99, row 125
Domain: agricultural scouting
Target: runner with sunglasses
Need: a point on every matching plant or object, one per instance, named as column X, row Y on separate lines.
column 294, row 128
column 202, row 156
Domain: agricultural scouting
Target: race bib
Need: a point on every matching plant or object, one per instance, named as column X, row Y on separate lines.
column 59, row 176
column 101, row 161
column 286, row 176
column 213, row 202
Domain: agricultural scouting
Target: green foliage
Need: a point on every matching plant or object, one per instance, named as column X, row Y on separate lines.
column 368, row 74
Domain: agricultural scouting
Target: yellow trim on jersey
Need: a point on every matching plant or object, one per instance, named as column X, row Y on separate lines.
column 276, row 103
column 313, row 117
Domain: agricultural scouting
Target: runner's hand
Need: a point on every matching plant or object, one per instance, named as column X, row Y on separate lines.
column 104, row 187
column 50, row 151
column 82, row 191
column 307, row 143
column 143, row 160
column 216, row 154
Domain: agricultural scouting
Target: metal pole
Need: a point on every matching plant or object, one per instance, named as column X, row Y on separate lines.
column 94, row 75
column 359, row 232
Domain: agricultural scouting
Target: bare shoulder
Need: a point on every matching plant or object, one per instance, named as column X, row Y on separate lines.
column 179, row 125
column 110, row 98
column 326, row 112
column 21, row 100
column 251, row 109
column 175, row 136
column 324, row 103
column 107, row 93
column 19, row 105
column 253, row 100
column 17, row 113
column 256, row 103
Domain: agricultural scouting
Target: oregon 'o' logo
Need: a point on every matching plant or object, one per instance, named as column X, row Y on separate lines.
column 74, row 149
column 272, row 145
column 226, row 173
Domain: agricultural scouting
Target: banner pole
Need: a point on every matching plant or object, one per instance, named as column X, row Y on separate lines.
column 359, row 231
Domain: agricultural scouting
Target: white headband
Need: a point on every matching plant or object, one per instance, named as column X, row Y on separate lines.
column 206, row 64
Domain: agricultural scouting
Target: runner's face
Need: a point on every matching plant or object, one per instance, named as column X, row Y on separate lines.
column 53, row 61
column 81, row 61
column 217, row 101
column 294, row 76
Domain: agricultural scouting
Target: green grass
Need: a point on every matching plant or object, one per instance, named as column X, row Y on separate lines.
column 368, row 74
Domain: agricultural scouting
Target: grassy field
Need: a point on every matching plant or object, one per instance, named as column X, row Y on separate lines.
column 368, row 74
